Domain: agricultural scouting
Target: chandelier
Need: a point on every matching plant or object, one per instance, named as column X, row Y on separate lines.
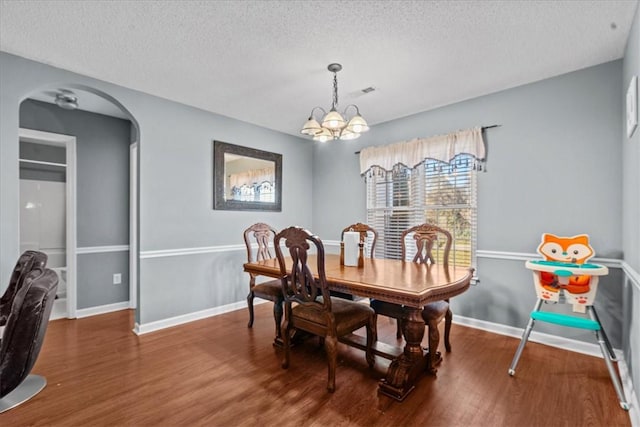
column 335, row 125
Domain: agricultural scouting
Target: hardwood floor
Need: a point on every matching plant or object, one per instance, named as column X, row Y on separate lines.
column 216, row 372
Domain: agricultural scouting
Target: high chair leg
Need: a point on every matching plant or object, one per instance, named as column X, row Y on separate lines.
column 612, row 371
column 594, row 316
column 523, row 340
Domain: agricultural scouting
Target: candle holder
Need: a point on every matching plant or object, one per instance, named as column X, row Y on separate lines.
column 360, row 255
column 341, row 253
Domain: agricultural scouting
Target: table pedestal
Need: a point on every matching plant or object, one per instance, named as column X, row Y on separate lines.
column 405, row 371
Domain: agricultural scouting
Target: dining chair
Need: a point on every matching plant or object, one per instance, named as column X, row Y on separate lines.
column 263, row 234
column 427, row 249
column 368, row 235
column 308, row 305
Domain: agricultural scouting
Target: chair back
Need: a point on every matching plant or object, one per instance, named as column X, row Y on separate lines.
column 26, row 326
column 298, row 282
column 26, row 262
column 426, row 237
column 263, row 234
column 365, row 231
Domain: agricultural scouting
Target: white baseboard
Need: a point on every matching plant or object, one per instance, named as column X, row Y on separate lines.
column 59, row 310
column 564, row 344
column 145, row 328
column 102, row 309
column 539, row 337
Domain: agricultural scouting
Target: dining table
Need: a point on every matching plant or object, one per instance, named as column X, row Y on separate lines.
column 410, row 285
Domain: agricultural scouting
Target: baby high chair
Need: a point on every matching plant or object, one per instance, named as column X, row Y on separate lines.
column 564, row 276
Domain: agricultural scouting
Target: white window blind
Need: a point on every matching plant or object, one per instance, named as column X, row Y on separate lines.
column 439, row 193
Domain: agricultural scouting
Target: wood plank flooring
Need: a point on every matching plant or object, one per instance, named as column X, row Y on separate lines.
column 216, row 372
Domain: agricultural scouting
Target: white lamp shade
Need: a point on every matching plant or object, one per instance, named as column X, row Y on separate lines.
column 323, row 136
column 358, row 125
column 311, row 127
column 346, row 134
column 333, row 121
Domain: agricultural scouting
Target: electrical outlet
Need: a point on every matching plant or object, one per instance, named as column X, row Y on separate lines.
column 117, row 279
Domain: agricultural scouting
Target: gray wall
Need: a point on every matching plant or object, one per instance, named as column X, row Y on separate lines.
column 102, row 195
column 552, row 166
column 631, row 209
column 175, row 178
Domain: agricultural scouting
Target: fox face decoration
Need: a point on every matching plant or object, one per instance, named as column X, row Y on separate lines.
column 574, row 249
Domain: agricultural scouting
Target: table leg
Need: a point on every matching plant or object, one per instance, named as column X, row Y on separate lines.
column 404, row 372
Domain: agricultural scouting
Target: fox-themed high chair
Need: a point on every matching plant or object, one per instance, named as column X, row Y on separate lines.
column 564, row 276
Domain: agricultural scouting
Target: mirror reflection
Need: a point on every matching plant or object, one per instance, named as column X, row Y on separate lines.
column 248, row 179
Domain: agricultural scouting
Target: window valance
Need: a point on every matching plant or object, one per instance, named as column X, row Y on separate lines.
column 413, row 152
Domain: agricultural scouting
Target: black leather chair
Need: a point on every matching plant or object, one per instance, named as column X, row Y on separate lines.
column 27, row 262
column 23, row 337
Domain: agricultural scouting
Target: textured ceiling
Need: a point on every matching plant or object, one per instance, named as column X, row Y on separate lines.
column 265, row 62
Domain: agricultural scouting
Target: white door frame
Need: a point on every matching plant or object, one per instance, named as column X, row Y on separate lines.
column 69, row 143
column 133, row 225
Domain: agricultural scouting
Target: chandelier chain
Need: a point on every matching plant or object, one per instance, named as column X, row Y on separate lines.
column 335, row 91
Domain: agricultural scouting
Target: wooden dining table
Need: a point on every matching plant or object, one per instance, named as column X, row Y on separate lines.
column 408, row 284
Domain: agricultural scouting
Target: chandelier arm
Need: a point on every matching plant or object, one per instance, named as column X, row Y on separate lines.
column 317, row 108
column 351, row 105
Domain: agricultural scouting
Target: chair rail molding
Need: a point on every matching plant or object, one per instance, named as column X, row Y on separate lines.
column 161, row 253
column 101, row 249
column 633, row 275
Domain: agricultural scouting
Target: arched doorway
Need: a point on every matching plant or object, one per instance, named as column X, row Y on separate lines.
column 100, row 140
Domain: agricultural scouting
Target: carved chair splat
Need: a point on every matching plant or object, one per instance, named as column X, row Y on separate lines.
column 364, row 231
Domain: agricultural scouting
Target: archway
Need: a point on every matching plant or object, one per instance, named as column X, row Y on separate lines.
column 103, row 255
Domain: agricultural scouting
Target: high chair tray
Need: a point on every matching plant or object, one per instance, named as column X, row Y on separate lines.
column 577, row 269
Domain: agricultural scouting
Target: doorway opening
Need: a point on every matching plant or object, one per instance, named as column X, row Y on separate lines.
column 78, row 197
column 47, row 208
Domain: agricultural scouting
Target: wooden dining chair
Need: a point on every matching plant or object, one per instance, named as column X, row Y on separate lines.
column 263, row 234
column 308, row 305
column 368, row 235
column 427, row 249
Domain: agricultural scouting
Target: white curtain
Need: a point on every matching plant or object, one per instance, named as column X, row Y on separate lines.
column 413, row 152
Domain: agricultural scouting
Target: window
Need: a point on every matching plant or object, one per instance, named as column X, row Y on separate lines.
column 443, row 194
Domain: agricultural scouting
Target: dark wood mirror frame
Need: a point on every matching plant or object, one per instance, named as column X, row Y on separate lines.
column 219, row 202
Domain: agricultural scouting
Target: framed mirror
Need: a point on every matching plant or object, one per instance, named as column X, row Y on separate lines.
column 246, row 178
